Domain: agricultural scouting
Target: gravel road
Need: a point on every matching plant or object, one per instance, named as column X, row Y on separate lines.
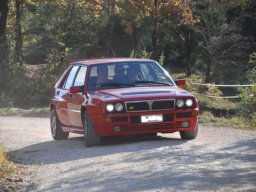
column 218, row 160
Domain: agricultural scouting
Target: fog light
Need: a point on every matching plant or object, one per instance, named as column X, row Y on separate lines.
column 185, row 124
column 117, row 128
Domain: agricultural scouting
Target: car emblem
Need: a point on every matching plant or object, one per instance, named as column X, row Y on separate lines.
column 131, row 107
column 150, row 104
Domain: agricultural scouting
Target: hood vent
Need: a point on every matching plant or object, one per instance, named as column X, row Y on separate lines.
column 145, row 92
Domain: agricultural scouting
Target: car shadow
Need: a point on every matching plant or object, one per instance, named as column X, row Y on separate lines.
column 51, row 152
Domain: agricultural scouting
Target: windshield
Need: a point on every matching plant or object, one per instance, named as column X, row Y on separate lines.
column 127, row 74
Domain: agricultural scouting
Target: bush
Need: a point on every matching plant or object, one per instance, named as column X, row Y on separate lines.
column 27, row 90
column 253, row 120
column 248, row 95
column 206, row 117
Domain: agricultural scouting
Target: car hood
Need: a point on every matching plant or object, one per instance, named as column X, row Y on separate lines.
column 141, row 93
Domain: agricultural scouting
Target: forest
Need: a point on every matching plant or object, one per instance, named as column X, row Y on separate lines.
column 204, row 41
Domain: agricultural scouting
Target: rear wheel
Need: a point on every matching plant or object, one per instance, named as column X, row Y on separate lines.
column 90, row 136
column 189, row 135
column 57, row 132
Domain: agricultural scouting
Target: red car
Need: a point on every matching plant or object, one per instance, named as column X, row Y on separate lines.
column 111, row 97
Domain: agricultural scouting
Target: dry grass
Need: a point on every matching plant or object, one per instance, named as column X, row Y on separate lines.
column 5, row 166
column 33, row 112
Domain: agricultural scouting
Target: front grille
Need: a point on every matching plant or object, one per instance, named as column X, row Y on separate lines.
column 167, row 104
column 137, row 106
column 119, row 119
column 142, row 127
column 150, row 105
column 168, row 117
column 184, row 115
column 135, row 119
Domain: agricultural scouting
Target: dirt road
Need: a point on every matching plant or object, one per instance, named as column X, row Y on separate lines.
column 218, row 160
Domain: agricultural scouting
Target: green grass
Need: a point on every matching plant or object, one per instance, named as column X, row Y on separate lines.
column 222, row 122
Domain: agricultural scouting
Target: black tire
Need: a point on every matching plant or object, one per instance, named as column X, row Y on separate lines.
column 90, row 136
column 56, row 130
column 189, row 135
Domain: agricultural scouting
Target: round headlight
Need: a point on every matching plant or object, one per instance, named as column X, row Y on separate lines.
column 119, row 107
column 180, row 103
column 189, row 102
column 110, row 107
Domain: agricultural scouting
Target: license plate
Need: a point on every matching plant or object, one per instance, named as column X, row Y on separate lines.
column 151, row 118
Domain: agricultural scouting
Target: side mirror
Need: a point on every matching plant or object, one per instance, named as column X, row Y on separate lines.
column 180, row 82
column 76, row 89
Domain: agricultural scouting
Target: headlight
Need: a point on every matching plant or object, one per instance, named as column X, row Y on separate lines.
column 180, row 103
column 110, row 107
column 119, row 107
column 189, row 102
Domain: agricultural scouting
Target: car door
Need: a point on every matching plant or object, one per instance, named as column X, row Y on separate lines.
column 63, row 97
column 76, row 99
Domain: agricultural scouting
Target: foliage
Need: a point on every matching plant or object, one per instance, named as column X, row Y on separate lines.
column 161, row 59
column 207, row 117
column 219, row 107
column 253, row 119
column 248, row 96
column 181, row 35
column 213, row 91
column 5, row 166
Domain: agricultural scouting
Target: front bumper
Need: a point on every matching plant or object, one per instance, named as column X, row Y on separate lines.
column 130, row 123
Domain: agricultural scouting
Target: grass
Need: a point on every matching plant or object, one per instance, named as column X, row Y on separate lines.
column 234, row 122
column 33, row 112
column 5, row 166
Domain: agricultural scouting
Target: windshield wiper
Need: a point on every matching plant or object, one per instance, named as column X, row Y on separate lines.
column 156, row 82
column 115, row 84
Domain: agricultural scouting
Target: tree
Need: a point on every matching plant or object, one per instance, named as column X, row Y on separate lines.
column 220, row 43
column 17, row 56
column 3, row 40
column 161, row 13
column 104, row 12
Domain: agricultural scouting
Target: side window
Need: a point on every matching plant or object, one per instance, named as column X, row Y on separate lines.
column 70, row 79
column 79, row 81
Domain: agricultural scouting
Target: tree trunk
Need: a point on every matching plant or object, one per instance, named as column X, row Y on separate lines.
column 208, row 70
column 18, row 58
column 189, row 50
column 111, row 4
column 135, row 41
column 155, row 31
column 66, row 27
column 3, row 40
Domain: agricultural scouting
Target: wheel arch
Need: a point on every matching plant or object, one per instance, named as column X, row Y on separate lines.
column 83, row 110
column 51, row 107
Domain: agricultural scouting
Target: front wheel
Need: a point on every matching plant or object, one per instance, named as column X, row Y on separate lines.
column 90, row 136
column 57, row 132
column 189, row 135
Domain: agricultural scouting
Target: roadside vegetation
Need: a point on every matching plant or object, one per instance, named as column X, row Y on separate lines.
column 202, row 41
column 6, row 168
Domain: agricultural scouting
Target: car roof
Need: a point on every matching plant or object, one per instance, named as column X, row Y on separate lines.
column 105, row 60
